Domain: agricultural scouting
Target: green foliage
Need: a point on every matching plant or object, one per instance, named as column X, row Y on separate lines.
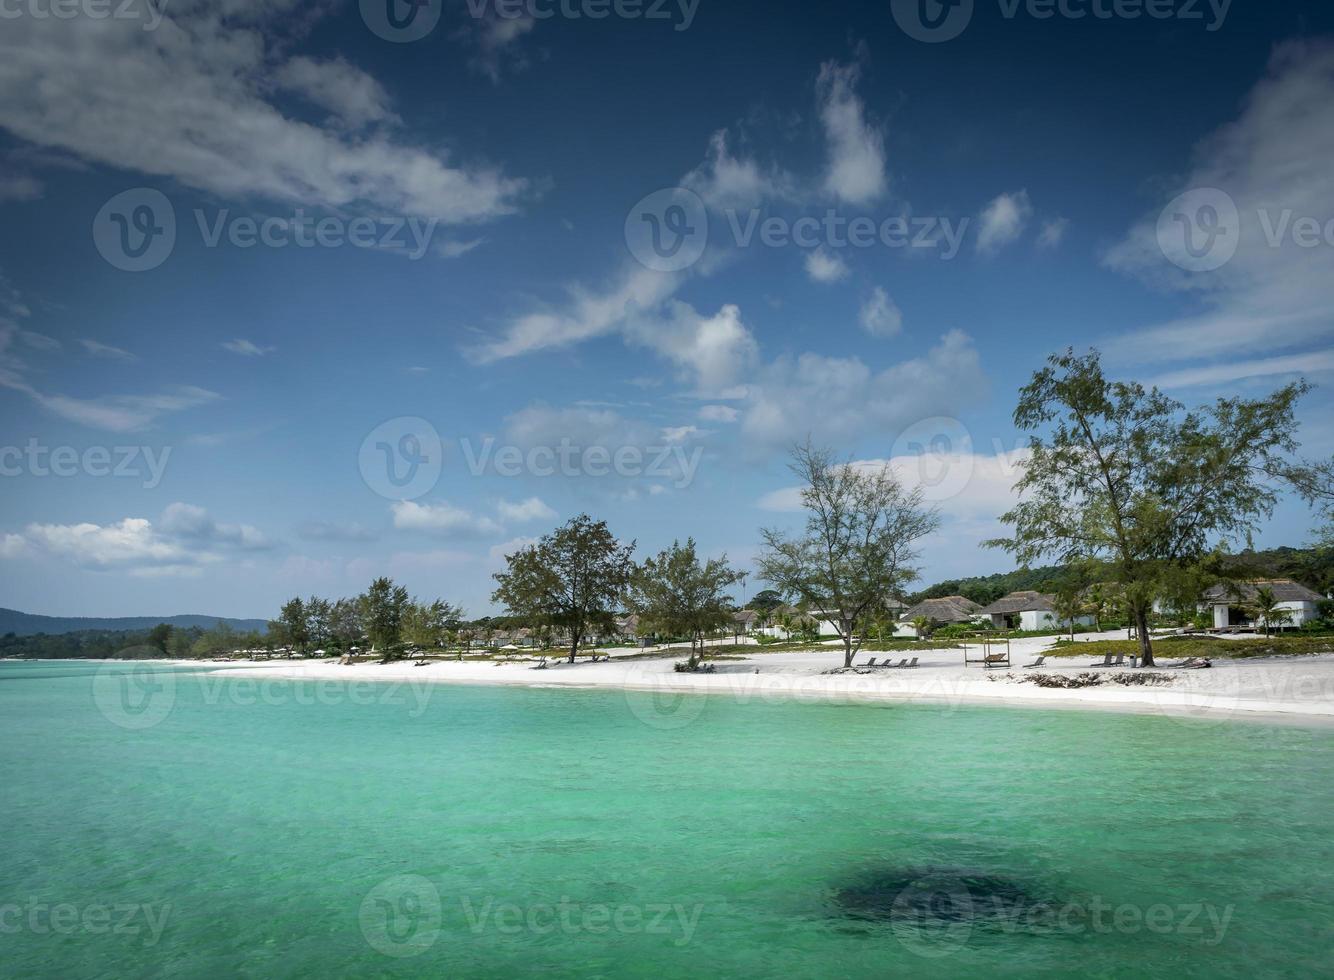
column 859, row 544
column 381, row 608
column 572, row 579
column 1125, row 477
column 675, row 595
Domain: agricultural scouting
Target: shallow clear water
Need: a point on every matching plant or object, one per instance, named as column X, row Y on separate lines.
column 193, row 825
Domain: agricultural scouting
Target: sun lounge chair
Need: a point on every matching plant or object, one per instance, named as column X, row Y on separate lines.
column 910, row 664
column 869, row 663
column 901, row 663
column 1106, row 662
column 996, row 660
column 1036, row 663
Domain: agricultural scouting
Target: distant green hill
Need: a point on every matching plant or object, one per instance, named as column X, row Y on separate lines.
column 1312, row 567
column 27, row 624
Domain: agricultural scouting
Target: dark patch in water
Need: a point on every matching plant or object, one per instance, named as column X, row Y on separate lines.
column 937, row 895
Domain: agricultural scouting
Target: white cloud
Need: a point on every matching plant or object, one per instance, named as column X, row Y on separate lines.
column 131, row 544
column 856, row 149
column 718, row 413
column 825, row 266
column 354, row 98
column 19, row 187
column 441, row 518
column 38, row 341
column 1237, row 370
column 200, row 87
column 1003, row 221
column 724, row 181
column 532, row 509
column 712, row 352
column 880, row 315
column 496, row 39
column 246, row 348
column 193, row 523
column 1053, row 232
column 1272, row 160
column 587, row 315
column 12, row 546
column 116, row 413
column 853, row 400
column 99, row 349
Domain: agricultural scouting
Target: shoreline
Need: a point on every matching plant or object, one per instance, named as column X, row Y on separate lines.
column 1289, row 690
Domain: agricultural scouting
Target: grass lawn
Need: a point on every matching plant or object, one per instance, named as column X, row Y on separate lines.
column 1203, row 646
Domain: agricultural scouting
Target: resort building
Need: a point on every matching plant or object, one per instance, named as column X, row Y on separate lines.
column 1232, row 603
column 1032, row 611
column 943, row 611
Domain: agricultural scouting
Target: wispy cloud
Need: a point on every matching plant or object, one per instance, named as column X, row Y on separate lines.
column 246, row 348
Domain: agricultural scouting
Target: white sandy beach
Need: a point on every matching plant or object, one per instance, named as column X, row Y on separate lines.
column 1298, row 689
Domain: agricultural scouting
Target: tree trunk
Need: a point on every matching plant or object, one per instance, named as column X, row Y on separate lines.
column 574, row 646
column 847, row 650
column 1142, row 627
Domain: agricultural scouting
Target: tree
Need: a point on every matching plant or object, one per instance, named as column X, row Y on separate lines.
column 319, row 622
column 159, row 636
column 571, row 579
column 765, row 601
column 1069, row 605
column 1265, row 608
column 675, row 595
column 922, row 625
column 429, row 625
column 1127, row 477
column 345, row 629
column 858, row 545
column 295, row 623
column 381, row 611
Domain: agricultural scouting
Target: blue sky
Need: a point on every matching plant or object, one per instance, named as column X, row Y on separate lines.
column 254, row 384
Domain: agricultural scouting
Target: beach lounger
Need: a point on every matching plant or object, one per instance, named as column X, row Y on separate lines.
column 911, row 664
column 996, row 660
column 901, row 663
column 1036, row 663
column 1106, row 662
column 869, row 663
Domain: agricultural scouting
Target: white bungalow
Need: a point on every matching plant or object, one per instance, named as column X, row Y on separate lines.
column 1030, row 611
column 1230, row 602
column 948, row 610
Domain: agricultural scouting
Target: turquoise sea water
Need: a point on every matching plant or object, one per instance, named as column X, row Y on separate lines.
column 189, row 825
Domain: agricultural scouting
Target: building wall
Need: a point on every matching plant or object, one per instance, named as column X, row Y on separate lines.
column 1302, row 612
column 1034, row 619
